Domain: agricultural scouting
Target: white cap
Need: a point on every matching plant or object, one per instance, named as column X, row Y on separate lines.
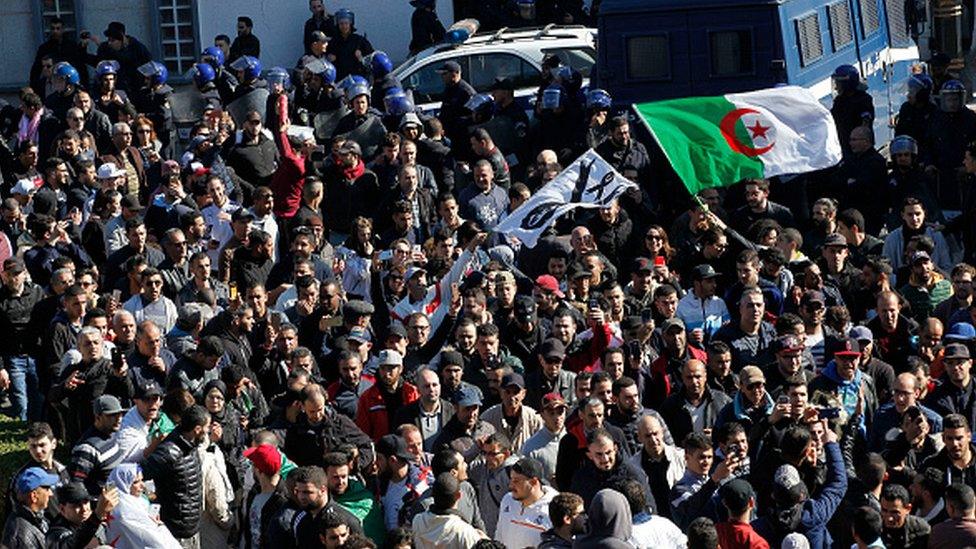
column 108, row 170
column 24, row 186
column 301, row 133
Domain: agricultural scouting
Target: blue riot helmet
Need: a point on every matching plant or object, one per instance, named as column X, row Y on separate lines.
column 378, row 63
column 846, row 78
column 952, row 96
column 213, row 55
column 322, row 69
column 598, row 99
column 345, row 14
column 350, row 81
column 397, row 102
column 920, row 87
column 278, row 75
column 250, row 66
column 106, row 67
column 68, row 73
column 553, row 97
column 156, row 72
column 356, row 90
column 903, row 144
column 203, row 74
column 481, row 106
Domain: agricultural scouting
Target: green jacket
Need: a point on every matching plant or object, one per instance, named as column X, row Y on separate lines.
column 359, row 501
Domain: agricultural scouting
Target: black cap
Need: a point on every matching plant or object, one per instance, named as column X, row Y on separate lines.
column 393, row 445
column 956, row 350
column 356, row 308
column 552, row 348
column 450, row 66
column 512, row 379
column 525, row 309
column 578, row 270
column 131, row 202
column 147, row 389
column 701, row 272
column 528, row 467
column 641, row 264
column 115, row 30
column 319, row 36
column 844, row 346
column 453, row 358
column 73, row 492
column 396, row 329
column 736, row 494
column 242, row 214
column 835, row 239
column 504, row 84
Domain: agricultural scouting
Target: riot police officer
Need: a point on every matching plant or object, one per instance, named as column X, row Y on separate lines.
column 950, row 129
column 347, row 49
column 205, row 80
column 66, row 82
column 907, row 178
column 380, row 67
column 279, row 84
column 153, row 100
column 426, row 29
column 106, row 97
column 317, row 92
column 225, row 82
column 852, row 106
column 357, row 98
column 598, row 103
column 457, row 92
column 915, row 113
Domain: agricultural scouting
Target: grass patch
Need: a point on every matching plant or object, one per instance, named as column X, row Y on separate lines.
column 13, row 449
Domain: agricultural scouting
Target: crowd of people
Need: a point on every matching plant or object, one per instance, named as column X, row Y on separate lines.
column 298, row 328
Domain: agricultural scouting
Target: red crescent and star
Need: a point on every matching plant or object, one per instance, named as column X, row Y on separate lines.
column 727, row 126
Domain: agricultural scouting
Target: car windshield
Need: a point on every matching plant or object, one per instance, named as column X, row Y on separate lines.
column 581, row 59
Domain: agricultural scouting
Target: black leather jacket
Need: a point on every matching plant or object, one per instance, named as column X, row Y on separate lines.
column 175, row 466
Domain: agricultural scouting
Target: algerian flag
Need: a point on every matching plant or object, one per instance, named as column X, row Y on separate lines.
column 719, row 141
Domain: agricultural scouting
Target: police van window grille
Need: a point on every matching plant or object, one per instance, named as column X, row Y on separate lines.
column 63, row 9
column 177, row 35
column 731, row 52
column 897, row 24
column 869, row 17
column 808, row 38
column 840, row 25
column 648, row 58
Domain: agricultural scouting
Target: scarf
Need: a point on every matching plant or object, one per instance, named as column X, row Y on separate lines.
column 355, row 172
column 27, row 130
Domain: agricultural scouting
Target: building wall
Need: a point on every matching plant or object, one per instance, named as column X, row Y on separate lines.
column 17, row 42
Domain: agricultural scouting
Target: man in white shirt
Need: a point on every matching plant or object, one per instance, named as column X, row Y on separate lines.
column 151, row 304
column 523, row 514
column 702, row 312
column 133, row 437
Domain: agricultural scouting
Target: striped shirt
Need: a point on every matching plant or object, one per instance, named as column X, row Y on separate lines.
column 93, row 459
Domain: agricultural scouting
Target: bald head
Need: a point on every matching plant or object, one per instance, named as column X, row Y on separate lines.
column 650, row 433
column 906, row 391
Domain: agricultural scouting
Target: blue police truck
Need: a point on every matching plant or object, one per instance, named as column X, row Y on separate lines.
column 661, row 49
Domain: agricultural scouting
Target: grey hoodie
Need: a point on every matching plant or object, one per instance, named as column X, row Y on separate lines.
column 610, row 522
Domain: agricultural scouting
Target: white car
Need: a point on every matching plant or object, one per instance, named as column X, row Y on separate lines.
column 515, row 54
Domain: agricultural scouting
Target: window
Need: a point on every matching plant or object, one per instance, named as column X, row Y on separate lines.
column 426, row 82
column 648, row 58
column 869, row 17
column 581, row 59
column 839, row 15
column 177, row 35
column 897, row 24
column 485, row 68
column 730, row 52
column 65, row 9
column 808, row 39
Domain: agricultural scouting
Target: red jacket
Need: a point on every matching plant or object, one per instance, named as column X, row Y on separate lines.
column 585, row 358
column 289, row 179
column 371, row 414
column 736, row 535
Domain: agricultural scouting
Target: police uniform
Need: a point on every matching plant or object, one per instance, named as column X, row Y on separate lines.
column 343, row 49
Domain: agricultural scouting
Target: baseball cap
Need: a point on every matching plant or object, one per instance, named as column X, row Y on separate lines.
column 578, row 270
column 14, row 264
column 672, row 323
column 265, row 457
column 844, row 346
column 131, row 202
column 920, row 255
column 393, row 445
column 641, row 264
column 396, row 330
column 553, row 400
column 549, row 284
column 115, row 30
column 72, row 492
column 502, row 83
column 359, row 335
column 861, row 333
column 33, row 478
column 788, row 342
column 356, row 308
column 703, row 272
column 961, row 331
column 147, row 389
column 242, row 214
column 812, row 296
column 956, row 350
column 552, row 348
column 736, row 494
column 413, row 271
column 450, row 66
column 467, row 396
column 319, row 36
column 24, row 186
column 390, row 357
column 751, row 374
column 528, row 467
column 107, row 404
column 835, row 239
column 512, row 379
column 503, row 277
column 350, row 147
column 525, row 309
column 788, row 487
column 108, row 170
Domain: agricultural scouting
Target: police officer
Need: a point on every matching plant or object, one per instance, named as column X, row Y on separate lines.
column 598, row 103
column 279, row 84
column 106, row 97
column 317, row 93
column 852, row 106
column 915, row 113
column 66, row 82
column 225, row 81
column 951, row 128
column 629, row 157
column 396, row 103
column 347, row 49
column 153, row 100
column 503, row 92
column 559, row 123
column 205, row 80
column 457, row 92
column 248, row 75
column 380, row 67
column 907, row 178
column 426, row 29
column 320, row 21
column 357, row 98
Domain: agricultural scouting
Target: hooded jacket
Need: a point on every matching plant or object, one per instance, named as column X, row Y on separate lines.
column 610, row 522
column 830, row 381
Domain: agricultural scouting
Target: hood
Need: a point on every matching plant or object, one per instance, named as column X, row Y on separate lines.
column 830, row 372
column 609, row 520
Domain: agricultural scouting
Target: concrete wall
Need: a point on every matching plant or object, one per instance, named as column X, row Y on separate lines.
column 17, row 42
column 279, row 23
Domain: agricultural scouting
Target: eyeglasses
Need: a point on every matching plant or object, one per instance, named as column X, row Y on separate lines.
column 654, row 237
column 144, row 130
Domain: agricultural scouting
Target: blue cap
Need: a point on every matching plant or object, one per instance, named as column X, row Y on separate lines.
column 961, row 331
column 861, row 333
column 33, row 478
column 466, row 396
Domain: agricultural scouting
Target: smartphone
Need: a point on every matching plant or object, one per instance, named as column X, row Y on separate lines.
column 117, row 295
column 386, row 255
column 116, row 358
column 782, row 399
column 233, row 291
column 646, row 316
column 634, row 348
column 594, row 303
column 828, row 413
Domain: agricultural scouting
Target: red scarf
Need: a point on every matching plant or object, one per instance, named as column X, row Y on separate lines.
column 355, row 172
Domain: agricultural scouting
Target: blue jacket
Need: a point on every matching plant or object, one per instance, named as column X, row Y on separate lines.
column 816, row 511
column 847, row 391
